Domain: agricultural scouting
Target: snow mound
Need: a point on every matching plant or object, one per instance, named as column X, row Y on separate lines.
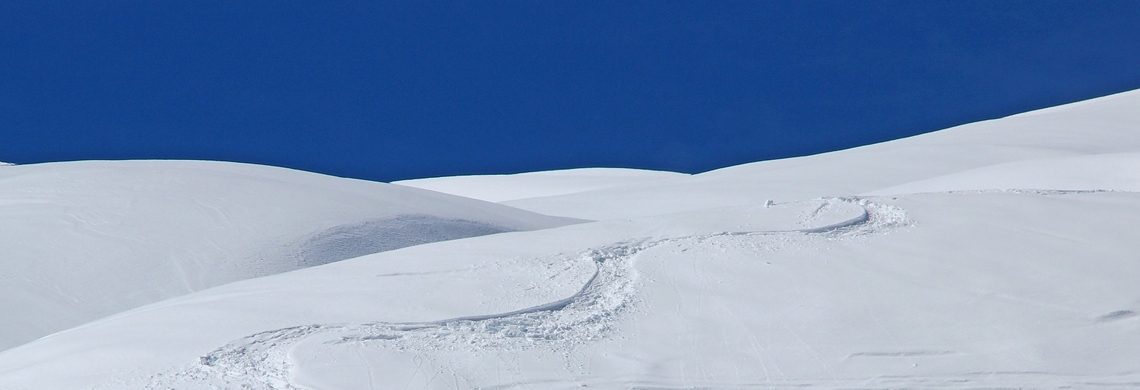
column 1116, row 171
column 499, row 188
column 84, row 240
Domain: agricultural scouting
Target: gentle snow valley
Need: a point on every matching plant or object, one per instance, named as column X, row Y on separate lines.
column 999, row 254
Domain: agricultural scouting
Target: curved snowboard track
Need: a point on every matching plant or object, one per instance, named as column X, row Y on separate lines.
column 261, row 361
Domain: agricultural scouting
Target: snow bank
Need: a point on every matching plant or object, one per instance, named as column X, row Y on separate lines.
column 83, row 240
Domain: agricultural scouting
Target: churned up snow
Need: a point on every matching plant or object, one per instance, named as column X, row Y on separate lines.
column 1000, row 254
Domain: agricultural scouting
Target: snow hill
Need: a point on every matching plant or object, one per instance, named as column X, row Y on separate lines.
column 83, row 240
column 1000, row 254
column 1102, row 126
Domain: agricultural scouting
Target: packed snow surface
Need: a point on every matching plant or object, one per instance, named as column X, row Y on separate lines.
column 1000, row 254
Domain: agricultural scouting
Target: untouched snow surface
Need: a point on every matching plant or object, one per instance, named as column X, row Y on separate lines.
column 498, row 188
column 1111, row 171
column 1001, row 254
column 84, row 240
column 1107, row 125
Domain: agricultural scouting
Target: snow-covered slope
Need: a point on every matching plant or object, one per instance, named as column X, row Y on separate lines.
column 499, row 188
column 499, row 284
column 1100, row 126
column 949, row 274
column 1109, row 171
column 84, row 240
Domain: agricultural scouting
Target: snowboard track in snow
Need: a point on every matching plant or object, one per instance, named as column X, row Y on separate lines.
column 262, row 361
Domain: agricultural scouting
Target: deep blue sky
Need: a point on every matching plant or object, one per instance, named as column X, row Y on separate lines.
column 414, row 89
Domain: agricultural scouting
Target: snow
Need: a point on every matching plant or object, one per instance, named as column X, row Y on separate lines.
column 499, row 188
column 999, row 254
column 1111, row 171
column 84, row 240
column 1100, row 126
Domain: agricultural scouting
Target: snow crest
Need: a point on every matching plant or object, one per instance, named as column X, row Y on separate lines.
column 262, row 361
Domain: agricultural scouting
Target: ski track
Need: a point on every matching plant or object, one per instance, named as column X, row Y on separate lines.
column 261, row 361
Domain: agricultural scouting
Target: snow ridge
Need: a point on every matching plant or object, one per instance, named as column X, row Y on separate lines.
column 379, row 235
column 262, row 361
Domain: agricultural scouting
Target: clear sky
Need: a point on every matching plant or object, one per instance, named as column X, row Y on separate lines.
column 396, row 90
